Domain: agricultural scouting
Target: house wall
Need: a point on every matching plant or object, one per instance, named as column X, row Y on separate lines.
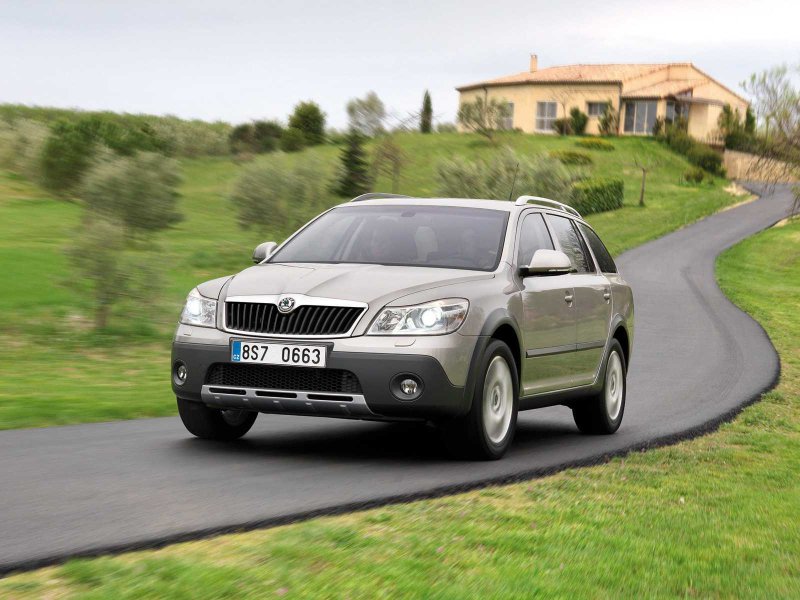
column 525, row 98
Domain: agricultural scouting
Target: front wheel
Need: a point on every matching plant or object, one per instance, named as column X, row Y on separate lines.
column 213, row 423
column 487, row 430
column 602, row 413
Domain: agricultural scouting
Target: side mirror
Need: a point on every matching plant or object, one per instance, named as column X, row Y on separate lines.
column 548, row 262
column 263, row 251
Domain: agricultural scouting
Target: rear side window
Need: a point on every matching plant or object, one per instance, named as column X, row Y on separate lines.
column 534, row 236
column 601, row 253
column 571, row 244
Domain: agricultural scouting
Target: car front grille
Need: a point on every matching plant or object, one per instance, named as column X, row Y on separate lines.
column 257, row 317
column 276, row 377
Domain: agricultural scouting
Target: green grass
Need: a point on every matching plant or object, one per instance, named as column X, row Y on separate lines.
column 716, row 517
column 124, row 372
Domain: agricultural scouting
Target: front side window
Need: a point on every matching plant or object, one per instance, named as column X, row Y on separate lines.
column 534, row 236
column 640, row 117
column 599, row 249
column 449, row 237
column 571, row 244
column 597, row 109
column 545, row 116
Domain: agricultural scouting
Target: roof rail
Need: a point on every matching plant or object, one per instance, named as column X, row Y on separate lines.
column 377, row 195
column 522, row 200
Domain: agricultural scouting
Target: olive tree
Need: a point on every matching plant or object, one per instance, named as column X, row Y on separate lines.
column 367, row 114
column 483, row 116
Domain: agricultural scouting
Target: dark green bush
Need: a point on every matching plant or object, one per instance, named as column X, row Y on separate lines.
column 595, row 144
column 562, row 126
column 706, row 158
column 680, row 141
column 293, row 140
column 571, row 157
column 242, row 139
column 578, row 121
column 309, row 119
column 694, row 175
column 267, row 135
column 598, row 195
column 66, row 155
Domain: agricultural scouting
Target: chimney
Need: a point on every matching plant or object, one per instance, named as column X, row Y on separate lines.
column 534, row 63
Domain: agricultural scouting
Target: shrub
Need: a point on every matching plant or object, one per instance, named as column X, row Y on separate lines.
column 293, row 140
column 694, row 175
column 562, row 126
column 677, row 139
column 192, row 138
column 446, row 128
column 598, row 195
column 658, row 126
column 706, row 158
column 595, row 144
column 571, row 157
column 310, row 120
column 274, row 195
column 242, row 138
column 578, row 121
column 483, row 117
column 139, row 192
column 66, row 155
column 267, row 135
column 539, row 176
column 609, row 121
column 21, row 144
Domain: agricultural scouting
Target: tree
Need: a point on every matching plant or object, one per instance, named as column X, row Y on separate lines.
column 777, row 103
column 242, row 139
column 749, row 121
column 66, row 155
column 309, row 118
column 483, row 116
column 389, row 160
column 645, row 165
column 426, row 115
column 367, row 114
column 276, row 195
column 266, row 135
column 138, row 192
column 354, row 177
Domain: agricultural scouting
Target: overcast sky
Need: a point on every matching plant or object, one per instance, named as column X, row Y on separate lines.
column 237, row 60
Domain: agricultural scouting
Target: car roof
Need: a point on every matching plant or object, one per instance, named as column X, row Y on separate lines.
column 503, row 205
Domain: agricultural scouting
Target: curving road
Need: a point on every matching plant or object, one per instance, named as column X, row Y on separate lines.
column 89, row 489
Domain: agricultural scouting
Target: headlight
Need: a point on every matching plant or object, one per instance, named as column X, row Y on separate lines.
column 442, row 316
column 199, row 310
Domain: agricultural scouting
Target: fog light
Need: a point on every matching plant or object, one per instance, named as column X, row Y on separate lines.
column 408, row 387
column 181, row 373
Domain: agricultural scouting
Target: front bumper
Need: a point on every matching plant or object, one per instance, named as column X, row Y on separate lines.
column 374, row 368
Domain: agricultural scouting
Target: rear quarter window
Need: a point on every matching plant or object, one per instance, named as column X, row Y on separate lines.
column 599, row 249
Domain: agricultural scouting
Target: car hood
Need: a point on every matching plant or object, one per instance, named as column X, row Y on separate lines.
column 373, row 284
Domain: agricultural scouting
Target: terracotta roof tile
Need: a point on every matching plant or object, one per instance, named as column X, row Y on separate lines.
column 664, row 88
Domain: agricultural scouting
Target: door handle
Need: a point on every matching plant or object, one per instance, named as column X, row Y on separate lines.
column 568, row 297
column 607, row 295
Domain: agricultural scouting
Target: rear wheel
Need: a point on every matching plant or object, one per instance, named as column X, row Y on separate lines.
column 213, row 423
column 487, row 430
column 602, row 413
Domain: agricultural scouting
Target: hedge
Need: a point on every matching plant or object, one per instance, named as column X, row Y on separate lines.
column 598, row 195
column 595, row 144
column 571, row 157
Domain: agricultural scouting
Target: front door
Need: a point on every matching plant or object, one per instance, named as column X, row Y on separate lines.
column 548, row 317
column 592, row 300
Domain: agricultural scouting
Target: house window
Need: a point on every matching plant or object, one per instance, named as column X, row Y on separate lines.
column 597, row 109
column 507, row 122
column 640, row 117
column 675, row 111
column 545, row 116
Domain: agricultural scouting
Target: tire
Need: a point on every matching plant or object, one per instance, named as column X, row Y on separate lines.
column 215, row 424
column 487, row 430
column 602, row 413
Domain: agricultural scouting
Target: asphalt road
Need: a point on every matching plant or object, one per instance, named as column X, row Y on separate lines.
column 89, row 489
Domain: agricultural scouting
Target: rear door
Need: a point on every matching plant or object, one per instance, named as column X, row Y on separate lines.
column 592, row 299
column 548, row 316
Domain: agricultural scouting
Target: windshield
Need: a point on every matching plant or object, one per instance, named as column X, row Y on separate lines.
column 426, row 236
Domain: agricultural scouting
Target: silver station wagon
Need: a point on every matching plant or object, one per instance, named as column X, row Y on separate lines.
column 455, row 312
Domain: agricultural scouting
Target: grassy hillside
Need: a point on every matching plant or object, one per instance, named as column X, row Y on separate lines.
column 712, row 518
column 124, row 374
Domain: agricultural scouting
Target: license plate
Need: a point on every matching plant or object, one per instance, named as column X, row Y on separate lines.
column 278, row 354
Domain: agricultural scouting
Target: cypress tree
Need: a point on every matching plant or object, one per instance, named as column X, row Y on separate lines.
column 426, row 116
column 355, row 178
